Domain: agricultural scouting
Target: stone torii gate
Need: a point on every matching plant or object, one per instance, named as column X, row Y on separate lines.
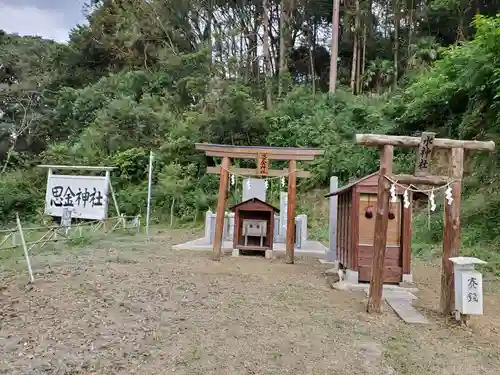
column 262, row 155
column 451, row 231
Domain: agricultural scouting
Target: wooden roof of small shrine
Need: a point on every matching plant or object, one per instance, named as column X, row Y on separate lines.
column 254, row 200
column 350, row 185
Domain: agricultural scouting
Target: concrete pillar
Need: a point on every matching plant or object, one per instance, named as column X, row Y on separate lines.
column 303, row 227
column 208, row 218
column 331, row 255
column 283, row 215
column 231, row 226
column 212, row 228
column 226, row 226
column 276, row 228
column 298, row 232
column 407, row 278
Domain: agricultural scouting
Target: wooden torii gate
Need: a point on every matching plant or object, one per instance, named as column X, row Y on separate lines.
column 262, row 155
column 451, row 231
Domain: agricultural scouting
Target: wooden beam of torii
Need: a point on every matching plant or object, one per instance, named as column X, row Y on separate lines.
column 262, row 155
column 255, row 172
column 451, row 231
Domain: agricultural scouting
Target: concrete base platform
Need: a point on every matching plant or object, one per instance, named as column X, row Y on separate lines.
column 331, row 264
column 399, row 298
column 344, row 285
column 309, row 248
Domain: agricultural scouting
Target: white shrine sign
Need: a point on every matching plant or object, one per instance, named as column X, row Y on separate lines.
column 86, row 197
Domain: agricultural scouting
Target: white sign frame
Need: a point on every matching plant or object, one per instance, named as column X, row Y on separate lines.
column 77, row 184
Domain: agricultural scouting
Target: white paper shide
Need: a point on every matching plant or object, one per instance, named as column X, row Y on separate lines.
column 85, row 196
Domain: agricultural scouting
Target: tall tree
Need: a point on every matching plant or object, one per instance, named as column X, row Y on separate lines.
column 397, row 17
column 355, row 48
column 267, row 55
column 335, row 45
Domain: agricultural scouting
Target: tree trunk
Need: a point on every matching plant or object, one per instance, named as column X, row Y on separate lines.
column 410, row 28
column 335, row 46
column 274, row 42
column 354, row 64
column 361, row 45
column 460, row 30
column 267, row 57
column 172, row 212
column 396, row 41
column 283, row 41
column 363, row 58
column 252, row 55
column 312, row 49
column 355, row 51
column 210, row 16
column 241, row 70
column 219, row 48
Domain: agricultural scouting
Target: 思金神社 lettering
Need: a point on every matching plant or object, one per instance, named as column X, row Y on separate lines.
column 85, row 196
column 66, row 197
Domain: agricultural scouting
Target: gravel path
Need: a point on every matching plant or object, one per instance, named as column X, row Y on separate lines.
column 131, row 306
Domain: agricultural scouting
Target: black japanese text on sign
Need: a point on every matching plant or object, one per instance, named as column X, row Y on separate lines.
column 262, row 165
column 66, row 197
column 472, row 295
column 424, row 154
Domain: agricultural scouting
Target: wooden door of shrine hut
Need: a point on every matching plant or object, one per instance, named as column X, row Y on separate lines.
column 356, row 231
column 262, row 155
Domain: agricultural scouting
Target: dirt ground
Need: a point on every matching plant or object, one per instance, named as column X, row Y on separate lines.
column 124, row 305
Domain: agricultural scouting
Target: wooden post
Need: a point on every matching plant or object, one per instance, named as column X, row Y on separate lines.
column 221, row 208
column 256, row 152
column 290, row 221
column 451, row 231
column 380, row 238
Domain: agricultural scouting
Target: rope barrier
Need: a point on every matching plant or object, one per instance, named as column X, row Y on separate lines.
column 262, row 178
column 92, row 222
column 394, row 182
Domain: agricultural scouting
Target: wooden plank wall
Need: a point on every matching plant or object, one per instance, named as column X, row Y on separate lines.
column 340, row 228
column 367, row 226
column 344, row 230
column 393, row 256
column 354, row 233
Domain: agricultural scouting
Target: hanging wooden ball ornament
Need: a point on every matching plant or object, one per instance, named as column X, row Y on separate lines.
column 392, row 215
column 369, row 212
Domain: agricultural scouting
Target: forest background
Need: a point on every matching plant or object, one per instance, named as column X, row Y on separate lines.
column 160, row 76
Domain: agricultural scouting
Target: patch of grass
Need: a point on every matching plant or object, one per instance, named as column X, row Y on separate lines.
column 275, row 355
column 404, row 354
column 196, row 354
column 319, row 232
column 317, row 208
column 12, row 259
column 480, row 230
column 6, row 254
column 121, row 260
column 84, row 240
column 431, row 251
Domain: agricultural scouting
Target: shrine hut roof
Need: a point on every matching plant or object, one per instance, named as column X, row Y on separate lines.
column 349, row 186
column 254, row 200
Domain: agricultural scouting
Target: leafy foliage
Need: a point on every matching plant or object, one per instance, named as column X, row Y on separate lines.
column 163, row 75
